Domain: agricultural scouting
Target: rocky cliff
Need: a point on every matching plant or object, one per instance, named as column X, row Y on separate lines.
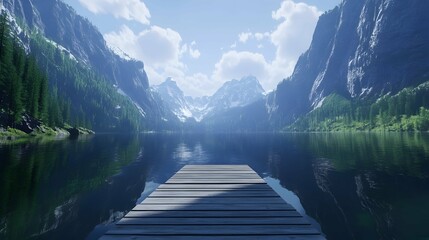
column 361, row 49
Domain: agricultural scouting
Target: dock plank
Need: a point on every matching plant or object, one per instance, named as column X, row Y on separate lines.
column 214, row 202
column 222, row 181
column 223, row 237
column 213, row 207
column 216, row 230
column 214, row 221
column 221, row 213
column 205, row 186
column 224, row 193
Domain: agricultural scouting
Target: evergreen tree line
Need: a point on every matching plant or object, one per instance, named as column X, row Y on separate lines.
column 84, row 97
column 406, row 111
column 23, row 86
column 74, row 94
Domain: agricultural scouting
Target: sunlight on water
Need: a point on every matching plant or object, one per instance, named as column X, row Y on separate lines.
column 190, row 155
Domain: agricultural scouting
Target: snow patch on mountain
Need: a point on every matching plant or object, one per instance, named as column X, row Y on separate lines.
column 173, row 98
column 62, row 49
column 233, row 94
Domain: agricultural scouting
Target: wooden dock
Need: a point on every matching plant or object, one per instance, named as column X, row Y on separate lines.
column 214, row 202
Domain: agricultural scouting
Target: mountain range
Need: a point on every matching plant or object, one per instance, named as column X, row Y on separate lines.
column 58, row 24
column 361, row 51
column 232, row 94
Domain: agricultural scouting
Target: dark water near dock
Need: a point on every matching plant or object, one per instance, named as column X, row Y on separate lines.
column 357, row 186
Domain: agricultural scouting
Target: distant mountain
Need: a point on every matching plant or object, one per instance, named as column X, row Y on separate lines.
column 361, row 51
column 172, row 96
column 232, row 94
column 75, row 36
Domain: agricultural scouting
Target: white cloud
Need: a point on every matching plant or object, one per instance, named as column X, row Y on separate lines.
column 291, row 38
column 156, row 47
column 161, row 50
column 132, row 10
column 198, row 85
column 293, row 35
column 184, row 49
column 194, row 53
column 235, row 64
column 261, row 36
column 244, row 36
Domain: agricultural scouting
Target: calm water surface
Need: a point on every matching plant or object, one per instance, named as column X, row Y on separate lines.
column 356, row 186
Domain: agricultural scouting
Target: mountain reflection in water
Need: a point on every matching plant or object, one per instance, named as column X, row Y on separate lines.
column 356, row 186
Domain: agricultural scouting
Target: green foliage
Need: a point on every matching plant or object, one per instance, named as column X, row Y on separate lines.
column 66, row 91
column 23, row 86
column 406, row 111
column 79, row 96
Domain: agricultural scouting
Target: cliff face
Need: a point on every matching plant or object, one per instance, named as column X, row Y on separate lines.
column 360, row 49
column 58, row 22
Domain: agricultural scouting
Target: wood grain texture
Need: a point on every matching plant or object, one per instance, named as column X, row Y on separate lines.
column 210, row 202
column 223, row 237
column 214, row 221
column 214, row 200
column 221, row 213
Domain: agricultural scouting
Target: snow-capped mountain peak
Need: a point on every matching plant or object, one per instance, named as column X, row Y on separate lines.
column 237, row 93
column 173, row 98
column 232, row 94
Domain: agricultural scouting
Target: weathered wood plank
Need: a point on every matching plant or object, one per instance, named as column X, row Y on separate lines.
column 228, row 214
column 213, row 207
column 223, row 237
column 215, row 186
column 216, row 168
column 214, row 221
column 215, row 230
column 216, row 177
column 213, row 200
column 214, row 172
column 207, row 175
column 225, row 193
column 212, row 166
column 202, row 180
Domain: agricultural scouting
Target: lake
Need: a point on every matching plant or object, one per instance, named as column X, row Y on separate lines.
column 355, row 185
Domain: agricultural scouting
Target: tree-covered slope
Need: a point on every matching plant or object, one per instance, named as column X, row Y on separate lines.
column 23, row 86
column 50, row 86
column 407, row 110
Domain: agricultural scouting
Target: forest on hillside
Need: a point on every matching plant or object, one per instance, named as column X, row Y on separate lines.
column 406, row 111
column 50, row 87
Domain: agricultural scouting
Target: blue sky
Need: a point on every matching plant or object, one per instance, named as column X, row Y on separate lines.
column 202, row 43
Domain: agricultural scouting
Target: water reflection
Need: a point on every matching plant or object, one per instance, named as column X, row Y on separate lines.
column 357, row 186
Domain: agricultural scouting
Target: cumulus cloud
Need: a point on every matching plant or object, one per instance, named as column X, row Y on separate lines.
column 235, row 64
column 132, row 10
column 293, row 35
column 244, row 36
column 291, row 38
column 261, row 36
column 161, row 50
column 156, row 47
column 194, row 53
